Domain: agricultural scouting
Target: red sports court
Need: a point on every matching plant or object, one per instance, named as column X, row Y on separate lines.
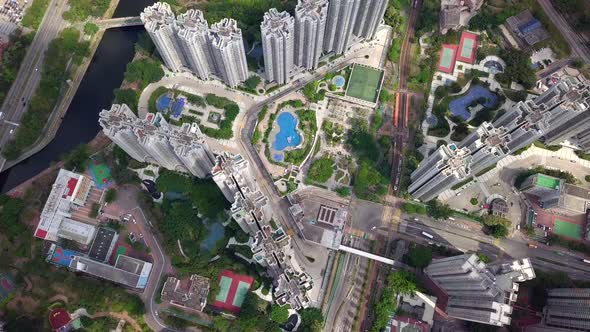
column 232, row 290
column 448, row 56
column 59, row 319
column 467, row 47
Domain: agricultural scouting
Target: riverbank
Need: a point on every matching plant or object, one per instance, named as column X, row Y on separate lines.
column 97, row 144
column 63, row 104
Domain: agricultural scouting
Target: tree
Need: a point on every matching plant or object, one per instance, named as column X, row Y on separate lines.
column 144, row 71
column 221, row 323
column 312, row 320
column 419, row 256
column 385, row 96
column 438, row 210
column 279, row 314
column 252, row 82
column 129, row 97
column 398, row 282
column 110, row 195
column 90, row 28
column 483, row 257
column 518, row 67
column 321, row 170
column 77, row 159
column 144, row 43
column 498, row 231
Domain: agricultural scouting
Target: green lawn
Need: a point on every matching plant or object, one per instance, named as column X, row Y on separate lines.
column 570, row 230
column 364, row 83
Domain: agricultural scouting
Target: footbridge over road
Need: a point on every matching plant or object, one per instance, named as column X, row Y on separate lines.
column 118, row 22
column 372, row 256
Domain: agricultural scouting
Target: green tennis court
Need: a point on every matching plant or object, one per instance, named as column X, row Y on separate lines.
column 568, row 229
column 243, row 289
column 547, row 181
column 447, row 58
column 467, row 47
column 224, row 285
column 364, row 83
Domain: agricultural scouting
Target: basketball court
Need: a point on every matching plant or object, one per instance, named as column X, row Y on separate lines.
column 568, row 229
column 100, row 172
column 232, row 291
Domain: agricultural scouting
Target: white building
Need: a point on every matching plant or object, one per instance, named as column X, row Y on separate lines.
column 342, row 16
column 160, row 24
column 310, row 27
column 231, row 174
column 193, row 38
column 69, row 192
column 227, row 50
column 153, row 140
column 277, row 30
column 369, row 18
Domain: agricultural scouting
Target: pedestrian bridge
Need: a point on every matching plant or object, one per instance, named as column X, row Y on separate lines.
column 118, row 22
column 368, row 255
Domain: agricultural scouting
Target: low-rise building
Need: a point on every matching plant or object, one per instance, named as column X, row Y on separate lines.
column 68, row 193
column 127, row 271
column 455, row 14
column 556, row 195
column 190, row 293
column 526, row 29
column 416, row 313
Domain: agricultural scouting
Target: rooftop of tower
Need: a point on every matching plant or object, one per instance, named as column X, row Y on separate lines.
column 192, row 19
column 311, row 7
column 224, row 32
column 455, row 160
column 157, row 15
column 275, row 21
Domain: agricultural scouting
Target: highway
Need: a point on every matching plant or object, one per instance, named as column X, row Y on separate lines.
column 576, row 43
column 29, row 74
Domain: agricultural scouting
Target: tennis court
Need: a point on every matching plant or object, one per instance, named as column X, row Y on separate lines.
column 568, row 229
column 364, row 83
column 101, row 173
column 232, row 291
column 448, row 55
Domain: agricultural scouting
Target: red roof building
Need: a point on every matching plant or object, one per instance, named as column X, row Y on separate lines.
column 60, row 319
column 448, row 56
column 467, row 47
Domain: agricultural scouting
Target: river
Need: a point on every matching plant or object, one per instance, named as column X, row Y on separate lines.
column 80, row 124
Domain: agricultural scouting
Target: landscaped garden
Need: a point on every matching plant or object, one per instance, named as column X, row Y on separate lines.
column 214, row 114
column 289, row 134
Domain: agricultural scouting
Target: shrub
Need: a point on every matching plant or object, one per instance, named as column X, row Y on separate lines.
column 110, row 195
column 90, row 28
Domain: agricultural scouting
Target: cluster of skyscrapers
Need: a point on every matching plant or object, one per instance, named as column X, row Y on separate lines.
column 188, row 43
column 153, row 140
column 271, row 247
column 319, row 27
column 560, row 113
column 478, row 292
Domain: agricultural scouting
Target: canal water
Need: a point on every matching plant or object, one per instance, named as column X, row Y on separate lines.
column 80, row 124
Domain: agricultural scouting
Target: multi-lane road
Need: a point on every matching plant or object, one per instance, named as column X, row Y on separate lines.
column 29, row 74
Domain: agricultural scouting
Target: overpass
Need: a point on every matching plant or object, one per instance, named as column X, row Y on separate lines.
column 118, row 22
column 367, row 255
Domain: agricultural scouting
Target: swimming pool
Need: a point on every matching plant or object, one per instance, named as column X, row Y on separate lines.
column 288, row 135
column 458, row 107
column 163, row 102
column 339, row 81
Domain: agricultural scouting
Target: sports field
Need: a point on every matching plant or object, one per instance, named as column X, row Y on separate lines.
column 101, row 173
column 232, row 291
column 568, row 229
column 364, row 83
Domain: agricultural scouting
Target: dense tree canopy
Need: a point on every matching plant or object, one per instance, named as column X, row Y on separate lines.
column 398, row 282
column 321, row 170
column 144, row 71
column 518, row 67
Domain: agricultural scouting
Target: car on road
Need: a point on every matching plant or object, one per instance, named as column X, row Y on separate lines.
column 532, row 245
column 11, row 131
column 132, row 237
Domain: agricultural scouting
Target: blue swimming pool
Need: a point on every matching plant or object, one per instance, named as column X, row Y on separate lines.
column 339, row 81
column 163, row 102
column 458, row 107
column 288, row 135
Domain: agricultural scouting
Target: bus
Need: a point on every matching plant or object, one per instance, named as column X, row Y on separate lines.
column 587, row 261
column 432, row 237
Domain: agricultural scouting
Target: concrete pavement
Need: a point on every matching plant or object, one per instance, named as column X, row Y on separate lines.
column 29, row 74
